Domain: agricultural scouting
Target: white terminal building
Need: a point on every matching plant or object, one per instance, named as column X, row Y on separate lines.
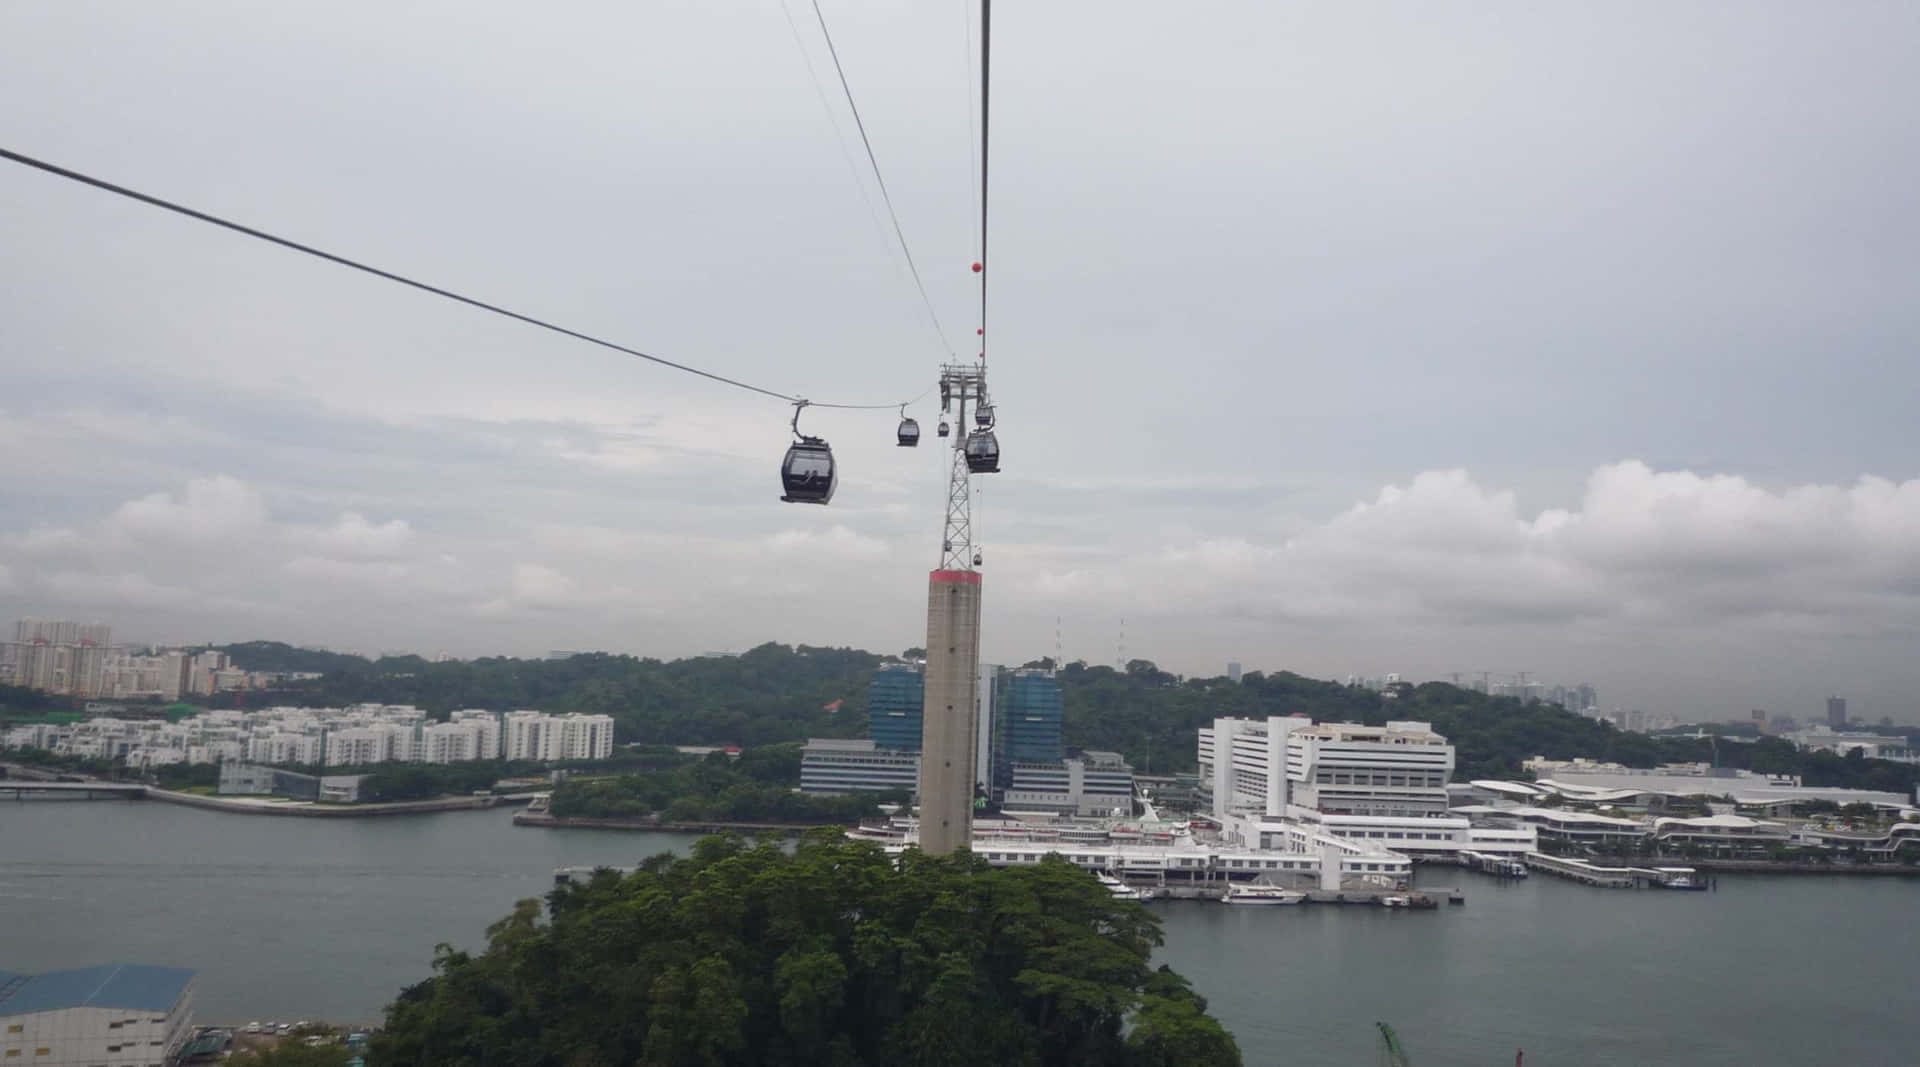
column 335, row 737
column 1273, row 779
column 120, row 1015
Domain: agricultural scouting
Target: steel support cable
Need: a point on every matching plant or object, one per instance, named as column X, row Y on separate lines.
column 986, row 32
column 885, row 196
column 180, row 209
column 840, row 138
column 973, row 147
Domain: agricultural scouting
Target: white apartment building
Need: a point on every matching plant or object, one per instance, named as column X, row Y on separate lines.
column 486, row 725
column 373, row 743
column 449, row 742
column 337, row 737
column 120, row 1015
column 535, row 735
column 284, row 747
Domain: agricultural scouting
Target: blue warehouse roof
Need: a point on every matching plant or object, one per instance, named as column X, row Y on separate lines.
column 132, row 986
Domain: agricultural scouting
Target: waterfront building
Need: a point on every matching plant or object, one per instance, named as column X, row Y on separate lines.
column 253, row 779
column 1836, row 713
column 1092, row 784
column 1274, row 781
column 120, row 1015
column 1267, row 766
column 1166, row 852
column 1731, row 834
column 1602, row 833
column 895, row 700
column 1654, row 788
column 834, row 766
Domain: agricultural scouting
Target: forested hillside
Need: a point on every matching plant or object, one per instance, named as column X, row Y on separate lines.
column 777, row 693
column 771, row 693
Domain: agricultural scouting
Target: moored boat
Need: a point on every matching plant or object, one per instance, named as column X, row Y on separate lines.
column 1261, row 893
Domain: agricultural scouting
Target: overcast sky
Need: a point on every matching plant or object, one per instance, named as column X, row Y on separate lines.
column 1573, row 339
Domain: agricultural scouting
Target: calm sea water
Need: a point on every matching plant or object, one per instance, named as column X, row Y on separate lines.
column 292, row 918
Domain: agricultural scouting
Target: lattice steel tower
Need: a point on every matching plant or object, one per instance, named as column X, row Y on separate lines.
column 949, row 714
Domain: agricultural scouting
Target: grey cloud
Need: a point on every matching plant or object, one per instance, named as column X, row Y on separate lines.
column 1250, row 266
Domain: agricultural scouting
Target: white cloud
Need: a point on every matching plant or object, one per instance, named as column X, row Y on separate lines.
column 538, row 585
column 836, row 540
column 209, row 510
column 110, row 590
column 371, row 573
column 352, row 536
column 1671, row 547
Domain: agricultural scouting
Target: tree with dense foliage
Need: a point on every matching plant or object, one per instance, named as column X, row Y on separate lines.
column 759, row 786
column 832, row 953
column 291, row 1053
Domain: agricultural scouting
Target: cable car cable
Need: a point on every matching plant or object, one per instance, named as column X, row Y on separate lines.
column 986, row 28
column 885, row 196
column 840, row 138
column 180, row 209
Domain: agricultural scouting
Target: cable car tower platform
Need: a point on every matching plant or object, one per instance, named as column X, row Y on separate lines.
column 959, row 383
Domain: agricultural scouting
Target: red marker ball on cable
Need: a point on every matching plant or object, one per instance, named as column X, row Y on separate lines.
column 977, row 268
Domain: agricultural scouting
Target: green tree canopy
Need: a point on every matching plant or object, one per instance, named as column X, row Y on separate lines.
column 294, row 1054
column 833, row 953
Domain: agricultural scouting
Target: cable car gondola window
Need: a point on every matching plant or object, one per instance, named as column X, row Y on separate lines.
column 809, row 474
column 983, row 452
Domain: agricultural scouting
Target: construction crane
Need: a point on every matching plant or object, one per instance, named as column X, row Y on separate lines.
column 1391, row 1054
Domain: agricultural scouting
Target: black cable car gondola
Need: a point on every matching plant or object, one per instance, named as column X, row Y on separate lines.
column 909, row 432
column 983, row 414
column 808, row 474
column 944, row 428
column 983, row 452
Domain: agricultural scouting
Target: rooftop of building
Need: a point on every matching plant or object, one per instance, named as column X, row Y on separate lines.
column 1717, row 822
column 1401, row 732
column 131, row 986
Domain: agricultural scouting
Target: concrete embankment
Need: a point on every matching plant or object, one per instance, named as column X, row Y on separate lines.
column 662, row 826
column 324, row 811
column 1726, row 866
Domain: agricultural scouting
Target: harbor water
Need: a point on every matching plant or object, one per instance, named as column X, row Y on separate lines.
column 328, row 919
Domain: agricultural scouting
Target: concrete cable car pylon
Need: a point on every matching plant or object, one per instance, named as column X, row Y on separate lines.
column 950, row 714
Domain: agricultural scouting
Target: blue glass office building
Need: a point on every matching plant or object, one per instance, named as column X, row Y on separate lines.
column 894, row 703
column 1027, row 705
